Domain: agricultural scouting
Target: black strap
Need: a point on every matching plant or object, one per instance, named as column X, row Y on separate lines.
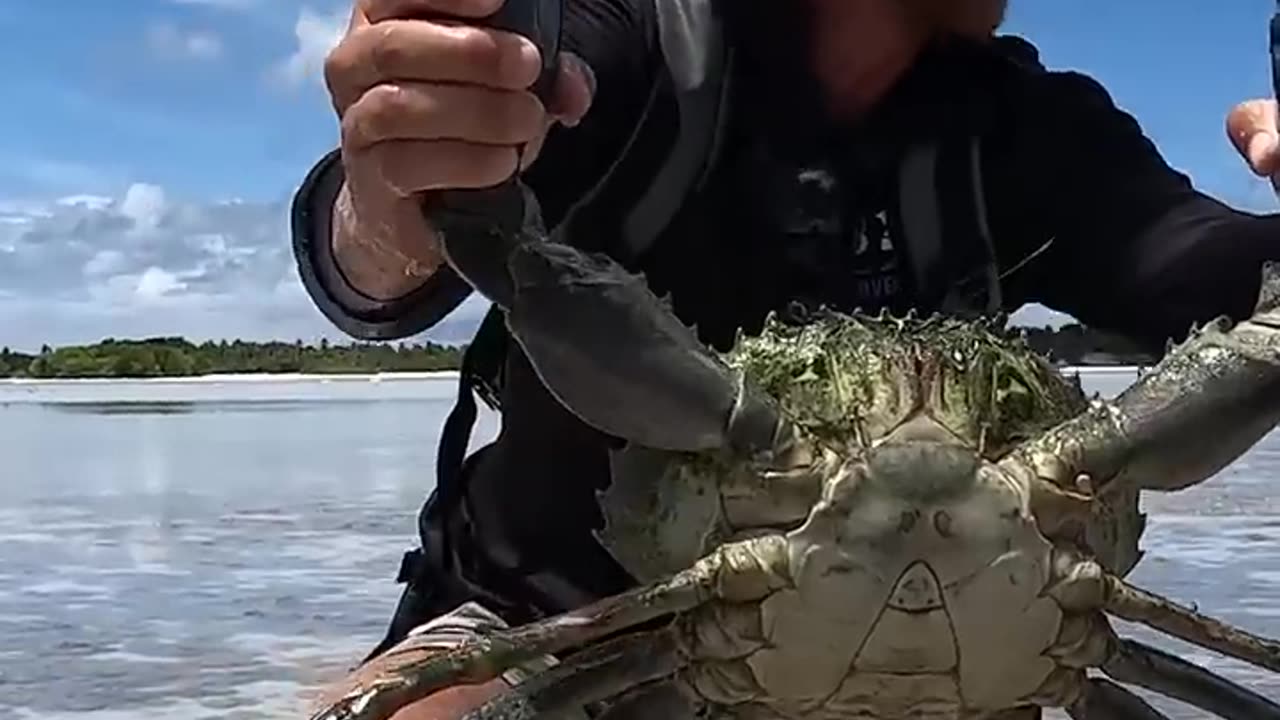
column 429, row 591
column 474, row 377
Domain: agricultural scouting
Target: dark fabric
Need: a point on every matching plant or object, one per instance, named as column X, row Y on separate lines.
column 1132, row 247
column 1136, row 248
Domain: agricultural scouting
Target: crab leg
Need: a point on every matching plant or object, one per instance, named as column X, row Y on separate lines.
column 590, row 676
column 743, row 571
column 1085, row 587
column 1155, row 435
column 1137, row 605
column 1105, row 700
column 1137, row 664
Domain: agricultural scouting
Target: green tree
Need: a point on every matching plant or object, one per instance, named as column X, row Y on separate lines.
column 175, row 356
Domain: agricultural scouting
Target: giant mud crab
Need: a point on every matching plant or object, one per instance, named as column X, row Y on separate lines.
column 861, row 517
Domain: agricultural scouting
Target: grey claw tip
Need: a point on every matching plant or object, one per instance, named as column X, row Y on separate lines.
column 1269, row 290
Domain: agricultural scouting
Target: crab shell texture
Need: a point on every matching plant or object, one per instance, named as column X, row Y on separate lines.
column 920, row 569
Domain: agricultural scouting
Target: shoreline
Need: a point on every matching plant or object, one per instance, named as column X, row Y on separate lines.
column 390, row 376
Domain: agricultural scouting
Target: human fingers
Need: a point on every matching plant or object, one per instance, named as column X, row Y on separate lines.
column 424, row 51
column 1252, row 128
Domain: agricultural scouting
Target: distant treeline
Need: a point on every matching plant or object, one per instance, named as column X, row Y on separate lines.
column 168, row 357
column 173, row 357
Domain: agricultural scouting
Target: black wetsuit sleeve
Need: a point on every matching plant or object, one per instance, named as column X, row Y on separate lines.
column 1135, row 249
column 617, row 38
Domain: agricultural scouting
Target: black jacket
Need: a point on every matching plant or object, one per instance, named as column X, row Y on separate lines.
column 1080, row 212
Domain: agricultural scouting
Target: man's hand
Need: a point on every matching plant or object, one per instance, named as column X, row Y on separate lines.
column 1252, row 127
column 428, row 105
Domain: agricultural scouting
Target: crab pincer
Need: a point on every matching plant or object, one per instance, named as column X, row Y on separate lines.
column 601, row 341
column 1153, row 435
column 614, row 354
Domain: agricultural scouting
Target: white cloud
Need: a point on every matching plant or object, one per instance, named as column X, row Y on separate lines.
column 144, row 263
column 315, row 34
column 85, row 267
column 144, row 205
column 169, row 41
column 156, row 283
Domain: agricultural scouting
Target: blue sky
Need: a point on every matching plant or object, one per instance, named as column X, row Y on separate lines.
column 150, row 147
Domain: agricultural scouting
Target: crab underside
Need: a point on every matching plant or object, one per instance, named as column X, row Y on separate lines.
column 857, row 517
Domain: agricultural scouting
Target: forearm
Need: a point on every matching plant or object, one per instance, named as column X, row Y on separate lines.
column 1201, row 262
column 1209, row 266
column 1135, row 248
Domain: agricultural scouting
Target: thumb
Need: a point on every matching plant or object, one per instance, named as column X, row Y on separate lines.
column 1252, row 128
column 575, row 90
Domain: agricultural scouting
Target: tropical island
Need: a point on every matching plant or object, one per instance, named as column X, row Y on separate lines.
column 1070, row 344
column 179, row 357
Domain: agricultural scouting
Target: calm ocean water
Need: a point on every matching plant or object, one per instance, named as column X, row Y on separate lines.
column 219, row 549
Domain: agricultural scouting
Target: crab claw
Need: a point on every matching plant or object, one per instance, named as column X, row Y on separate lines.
column 480, row 228
column 616, row 356
column 599, row 339
column 1155, row 435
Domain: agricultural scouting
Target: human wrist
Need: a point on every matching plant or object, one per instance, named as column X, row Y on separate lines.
column 384, row 251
